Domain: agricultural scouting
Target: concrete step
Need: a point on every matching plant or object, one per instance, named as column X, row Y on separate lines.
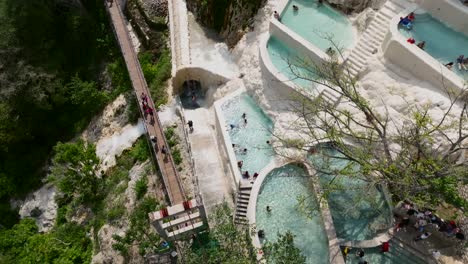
column 241, row 206
column 243, row 195
column 246, row 187
column 379, row 21
column 356, row 63
column 380, row 17
column 243, row 201
column 387, row 12
column 361, row 53
column 241, row 215
column 369, row 34
column 371, row 40
column 395, row 6
column 378, row 32
column 357, row 59
column 353, row 73
column 365, row 49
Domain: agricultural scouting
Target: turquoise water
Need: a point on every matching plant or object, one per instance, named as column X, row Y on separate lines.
column 396, row 255
column 252, row 136
column 280, row 190
column 442, row 42
column 355, row 216
column 313, row 22
column 289, row 63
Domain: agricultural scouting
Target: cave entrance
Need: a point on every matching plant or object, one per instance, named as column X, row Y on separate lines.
column 192, row 95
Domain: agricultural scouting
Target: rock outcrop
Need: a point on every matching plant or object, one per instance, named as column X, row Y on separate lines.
column 230, row 18
column 350, row 6
column 41, row 206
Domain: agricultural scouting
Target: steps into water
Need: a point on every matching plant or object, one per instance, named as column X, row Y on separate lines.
column 242, row 203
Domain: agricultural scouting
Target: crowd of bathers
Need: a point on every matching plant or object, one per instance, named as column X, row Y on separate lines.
column 408, row 21
column 243, row 150
column 425, row 218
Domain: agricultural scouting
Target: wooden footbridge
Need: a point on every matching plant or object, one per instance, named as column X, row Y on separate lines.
column 153, row 125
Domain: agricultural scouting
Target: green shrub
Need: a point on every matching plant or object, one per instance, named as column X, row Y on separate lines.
column 176, row 156
column 141, row 187
column 169, row 133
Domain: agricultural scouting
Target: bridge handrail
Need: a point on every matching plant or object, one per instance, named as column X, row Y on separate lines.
column 145, row 87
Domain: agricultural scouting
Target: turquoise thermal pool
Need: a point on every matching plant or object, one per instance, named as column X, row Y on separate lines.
column 288, row 63
column 314, row 21
column 280, row 190
column 252, row 136
column 355, row 216
column 442, row 42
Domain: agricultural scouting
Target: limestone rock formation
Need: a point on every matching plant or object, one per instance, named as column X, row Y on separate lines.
column 230, row 18
column 350, row 6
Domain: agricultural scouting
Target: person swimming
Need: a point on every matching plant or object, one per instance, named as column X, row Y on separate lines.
column 295, row 8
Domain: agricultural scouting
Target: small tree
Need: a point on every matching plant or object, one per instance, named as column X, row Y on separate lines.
column 283, row 251
column 225, row 242
column 420, row 156
column 74, row 170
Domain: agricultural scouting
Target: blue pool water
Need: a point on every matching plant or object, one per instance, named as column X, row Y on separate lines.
column 280, row 190
column 442, row 42
column 313, row 22
column 252, row 136
column 397, row 254
column 355, row 216
column 289, row 63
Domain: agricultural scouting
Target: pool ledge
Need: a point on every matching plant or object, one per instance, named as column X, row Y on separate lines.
column 335, row 256
column 418, row 62
column 277, row 78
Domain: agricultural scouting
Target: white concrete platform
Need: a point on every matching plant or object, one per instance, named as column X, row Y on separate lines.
column 213, row 182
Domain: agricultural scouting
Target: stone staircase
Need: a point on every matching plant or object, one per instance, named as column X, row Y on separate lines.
column 242, row 202
column 372, row 38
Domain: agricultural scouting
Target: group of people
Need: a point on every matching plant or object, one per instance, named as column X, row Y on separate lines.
column 462, row 63
column 407, row 22
column 146, row 107
column 244, row 121
column 425, row 218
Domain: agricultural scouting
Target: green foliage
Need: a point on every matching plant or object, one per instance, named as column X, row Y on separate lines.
column 139, row 230
column 140, row 151
column 73, row 170
column 176, row 156
column 225, row 242
column 141, row 186
column 283, row 250
column 23, row 244
column 156, row 74
column 52, row 53
column 169, row 133
column 119, row 76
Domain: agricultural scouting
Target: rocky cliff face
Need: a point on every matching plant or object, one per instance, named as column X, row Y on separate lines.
column 230, row 18
column 350, row 6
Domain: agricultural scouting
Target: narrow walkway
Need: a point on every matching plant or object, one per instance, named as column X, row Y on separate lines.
column 372, row 38
column 153, row 127
column 213, row 182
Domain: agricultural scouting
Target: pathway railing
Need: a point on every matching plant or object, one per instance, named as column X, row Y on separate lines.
column 138, row 81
